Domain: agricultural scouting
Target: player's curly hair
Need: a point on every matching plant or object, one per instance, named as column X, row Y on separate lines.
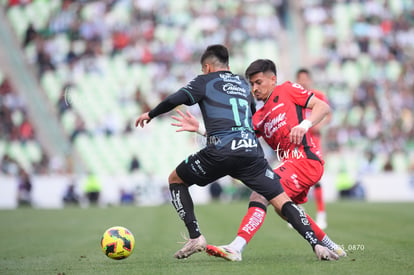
column 260, row 66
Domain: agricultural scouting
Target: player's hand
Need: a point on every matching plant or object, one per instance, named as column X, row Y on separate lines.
column 296, row 134
column 142, row 119
column 186, row 122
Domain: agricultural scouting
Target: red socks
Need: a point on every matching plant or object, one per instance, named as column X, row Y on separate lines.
column 317, row 193
column 252, row 221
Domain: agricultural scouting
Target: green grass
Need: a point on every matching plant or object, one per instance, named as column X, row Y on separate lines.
column 66, row 241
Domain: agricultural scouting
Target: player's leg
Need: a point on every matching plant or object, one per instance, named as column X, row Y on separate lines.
column 296, row 178
column 200, row 168
column 297, row 218
column 253, row 219
column 262, row 179
column 320, row 206
column 183, row 204
column 250, row 224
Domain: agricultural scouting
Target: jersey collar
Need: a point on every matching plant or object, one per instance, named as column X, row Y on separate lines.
column 268, row 97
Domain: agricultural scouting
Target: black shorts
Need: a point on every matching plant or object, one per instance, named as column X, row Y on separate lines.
column 208, row 165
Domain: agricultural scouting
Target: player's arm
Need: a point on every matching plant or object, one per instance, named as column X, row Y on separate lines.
column 169, row 103
column 317, row 128
column 187, row 122
column 326, row 120
column 320, row 110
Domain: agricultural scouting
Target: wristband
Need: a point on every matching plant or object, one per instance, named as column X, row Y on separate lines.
column 201, row 129
column 306, row 124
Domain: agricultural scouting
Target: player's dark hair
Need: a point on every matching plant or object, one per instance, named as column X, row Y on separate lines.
column 216, row 51
column 302, row 71
column 260, row 66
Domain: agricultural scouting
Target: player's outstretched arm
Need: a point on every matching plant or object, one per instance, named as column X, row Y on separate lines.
column 187, row 122
column 169, row 103
column 142, row 119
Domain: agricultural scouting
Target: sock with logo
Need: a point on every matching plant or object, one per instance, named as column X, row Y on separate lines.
column 183, row 204
column 251, row 223
column 297, row 218
column 318, row 231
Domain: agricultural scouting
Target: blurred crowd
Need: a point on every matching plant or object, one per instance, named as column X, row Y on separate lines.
column 361, row 54
column 365, row 61
column 20, row 151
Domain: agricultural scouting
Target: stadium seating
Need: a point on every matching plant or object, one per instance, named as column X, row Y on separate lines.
column 103, row 87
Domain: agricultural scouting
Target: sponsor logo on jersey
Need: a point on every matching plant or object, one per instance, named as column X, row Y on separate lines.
column 286, row 154
column 273, row 125
column 243, row 143
column 264, row 117
column 228, row 77
column 232, row 89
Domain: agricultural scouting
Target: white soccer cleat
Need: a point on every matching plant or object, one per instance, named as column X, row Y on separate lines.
column 324, row 254
column 339, row 251
column 224, row 252
column 191, row 246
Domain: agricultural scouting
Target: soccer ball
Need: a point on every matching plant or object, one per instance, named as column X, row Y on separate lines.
column 117, row 243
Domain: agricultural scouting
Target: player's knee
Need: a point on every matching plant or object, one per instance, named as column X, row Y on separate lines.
column 256, row 197
column 174, row 178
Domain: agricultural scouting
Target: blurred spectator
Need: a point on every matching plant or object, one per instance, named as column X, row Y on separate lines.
column 135, row 165
column 24, row 193
column 141, row 101
column 26, row 131
column 127, row 197
column 388, row 166
column 70, row 197
column 71, row 56
column 79, row 128
column 92, row 188
column 43, row 58
column 30, row 35
column 215, row 191
column 42, row 166
column 8, row 165
column 64, row 103
column 120, row 40
column 348, row 188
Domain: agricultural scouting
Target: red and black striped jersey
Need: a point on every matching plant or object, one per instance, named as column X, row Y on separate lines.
column 284, row 109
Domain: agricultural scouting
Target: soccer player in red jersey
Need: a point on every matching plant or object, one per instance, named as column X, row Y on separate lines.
column 283, row 124
column 304, row 78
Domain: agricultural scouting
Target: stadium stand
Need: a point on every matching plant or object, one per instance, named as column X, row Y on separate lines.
column 18, row 141
column 100, row 63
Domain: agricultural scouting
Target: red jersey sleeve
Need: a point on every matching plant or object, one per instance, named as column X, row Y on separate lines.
column 299, row 95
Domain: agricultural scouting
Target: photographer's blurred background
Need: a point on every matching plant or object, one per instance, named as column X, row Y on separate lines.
column 74, row 75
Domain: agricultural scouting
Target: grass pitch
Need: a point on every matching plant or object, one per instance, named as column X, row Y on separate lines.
column 377, row 237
